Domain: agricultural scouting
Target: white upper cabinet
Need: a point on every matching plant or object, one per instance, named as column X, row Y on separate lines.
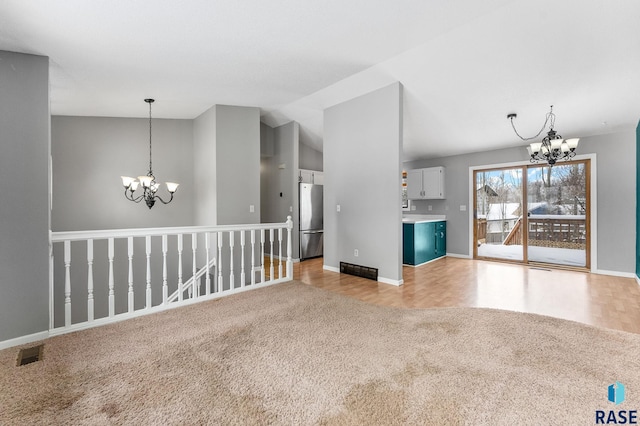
column 311, row 176
column 318, row 178
column 414, row 184
column 425, row 184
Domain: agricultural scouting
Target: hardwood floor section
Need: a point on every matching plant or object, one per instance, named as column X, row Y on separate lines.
column 600, row 300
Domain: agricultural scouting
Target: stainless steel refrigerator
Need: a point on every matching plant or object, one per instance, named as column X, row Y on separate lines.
column 311, row 221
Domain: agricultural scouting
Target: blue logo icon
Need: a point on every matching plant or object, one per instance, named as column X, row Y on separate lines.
column 616, row 393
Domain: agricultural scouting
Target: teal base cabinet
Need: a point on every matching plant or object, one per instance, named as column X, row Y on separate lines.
column 423, row 242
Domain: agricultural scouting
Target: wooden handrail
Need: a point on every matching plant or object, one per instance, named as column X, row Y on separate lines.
column 515, row 235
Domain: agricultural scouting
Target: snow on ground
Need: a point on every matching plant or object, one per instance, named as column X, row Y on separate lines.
column 558, row 256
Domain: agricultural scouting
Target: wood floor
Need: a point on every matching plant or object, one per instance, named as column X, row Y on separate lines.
column 600, row 300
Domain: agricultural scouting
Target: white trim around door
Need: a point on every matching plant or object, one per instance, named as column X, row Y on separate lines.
column 593, row 202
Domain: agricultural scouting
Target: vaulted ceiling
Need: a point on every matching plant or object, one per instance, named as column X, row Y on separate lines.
column 464, row 64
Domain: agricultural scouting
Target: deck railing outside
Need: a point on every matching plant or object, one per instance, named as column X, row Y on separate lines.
column 562, row 231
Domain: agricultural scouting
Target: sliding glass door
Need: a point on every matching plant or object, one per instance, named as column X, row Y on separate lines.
column 498, row 208
column 557, row 214
column 533, row 214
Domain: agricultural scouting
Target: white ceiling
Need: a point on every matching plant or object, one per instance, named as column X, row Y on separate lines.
column 464, row 64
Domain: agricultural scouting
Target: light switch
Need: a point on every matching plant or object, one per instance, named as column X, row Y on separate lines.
column 337, row 207
column 252, row 209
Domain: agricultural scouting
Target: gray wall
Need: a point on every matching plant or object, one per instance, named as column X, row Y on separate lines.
column 24, row 185
column 267, row 205
column 89, row 156
column 615, row 162
column 637, row 201
column 204, row 170
column 362, row 156
column 280, row 147
column 237, row 164
column 91, row 153
column 237, row 176
column 310, row 158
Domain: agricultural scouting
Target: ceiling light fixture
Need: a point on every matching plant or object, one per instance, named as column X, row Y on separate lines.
column 148, row 182
column 553, row 147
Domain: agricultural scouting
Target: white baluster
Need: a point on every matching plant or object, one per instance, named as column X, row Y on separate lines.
column 242, row 276
column 279, row 252
column 112, row 294
column 165, row 286
column 130, row 255
column 52, row 318
column 271, row 255
column 219, row 265
column 232, row 283
column 262, row 255
column 148, row 252
column 180, row 289
column 90, row 280
column 67, row 283
column 194, row 290
column 207, row 246
column 253, row 257
column 289, row 260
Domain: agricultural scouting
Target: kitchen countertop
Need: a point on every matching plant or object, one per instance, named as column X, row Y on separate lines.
column 420, row 218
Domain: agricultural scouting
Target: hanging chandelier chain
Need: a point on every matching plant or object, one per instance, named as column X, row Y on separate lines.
column 150, row 168
column 148, row 183
column 553, row 147
column 549, row 117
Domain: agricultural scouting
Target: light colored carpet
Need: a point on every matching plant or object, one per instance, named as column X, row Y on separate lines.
column 294, row 354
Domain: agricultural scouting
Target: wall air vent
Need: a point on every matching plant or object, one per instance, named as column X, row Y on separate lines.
column 29, row 355
column 359, row 271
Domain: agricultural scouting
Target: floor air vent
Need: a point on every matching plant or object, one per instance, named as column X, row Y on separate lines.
column 29, row 355
column 359, row 271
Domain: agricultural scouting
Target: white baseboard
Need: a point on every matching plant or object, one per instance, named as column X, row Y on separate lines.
column 461, row 256
column 380, row 279
column 614, row 273
column 638, row 280
column 397, row 283
column 330, row 268
column 23, row 340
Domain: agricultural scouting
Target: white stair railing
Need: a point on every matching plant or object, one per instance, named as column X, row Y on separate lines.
column 193, row 283
column 124, row 266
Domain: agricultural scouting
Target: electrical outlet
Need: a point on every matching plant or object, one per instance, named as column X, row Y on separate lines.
column 413, row 207
column 355, row 253
column 429, row 207
column 337, row 207
column 290, row 209
column 463, row 208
